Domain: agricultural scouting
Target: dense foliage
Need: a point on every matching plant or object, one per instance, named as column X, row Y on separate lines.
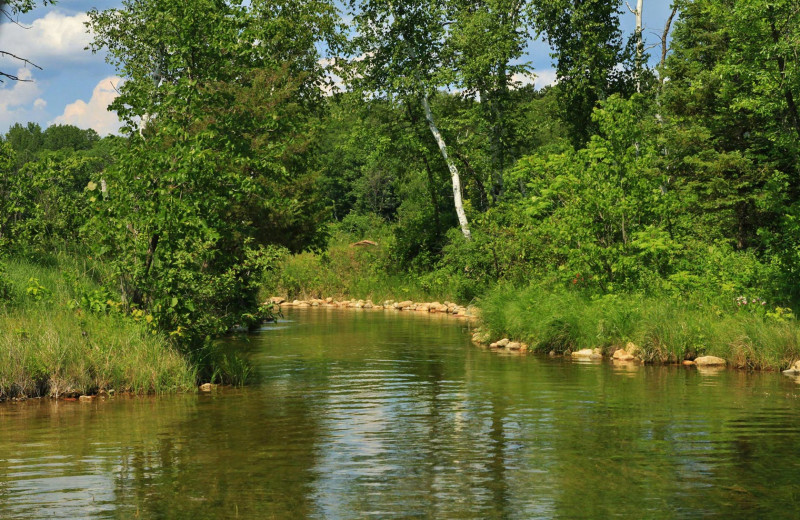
column 678, row 181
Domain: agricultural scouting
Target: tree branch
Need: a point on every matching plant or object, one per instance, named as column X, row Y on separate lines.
column 12, row 19
column 12, row 77
column 664, row 35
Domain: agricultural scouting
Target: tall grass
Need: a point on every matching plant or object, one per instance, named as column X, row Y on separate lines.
column 665, row 330
column 366, row 272
column 49, row 347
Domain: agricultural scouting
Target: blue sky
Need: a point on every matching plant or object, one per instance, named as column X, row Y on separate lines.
column 75, row 86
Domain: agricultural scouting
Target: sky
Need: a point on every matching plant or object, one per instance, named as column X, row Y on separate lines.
column 76, row 86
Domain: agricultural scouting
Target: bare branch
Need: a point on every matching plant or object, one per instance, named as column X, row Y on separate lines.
column 13, row 20
column 23, row 60
column 13, row 78
column 115, row 88
column 664, row 35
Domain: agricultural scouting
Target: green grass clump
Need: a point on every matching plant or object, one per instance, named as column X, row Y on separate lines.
column 51, row 347
column 664, row 329
column 365, row 272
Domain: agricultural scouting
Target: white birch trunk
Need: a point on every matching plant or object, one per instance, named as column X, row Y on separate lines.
column 462, row 217
column 639, row 42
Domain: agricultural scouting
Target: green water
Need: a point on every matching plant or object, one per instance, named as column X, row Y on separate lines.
column 387, row 415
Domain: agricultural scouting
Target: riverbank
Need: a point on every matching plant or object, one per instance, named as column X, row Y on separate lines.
column 635, row 328
column 631, row 330
column 59, row 337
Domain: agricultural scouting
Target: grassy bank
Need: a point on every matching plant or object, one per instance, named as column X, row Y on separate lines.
column 664, row 329
column 345, row 270
column 58, row 337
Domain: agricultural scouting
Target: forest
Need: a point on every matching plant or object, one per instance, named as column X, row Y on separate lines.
column 649, row 195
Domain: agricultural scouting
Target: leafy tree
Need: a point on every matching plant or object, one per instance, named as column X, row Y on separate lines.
column 399, row 50
column 26, row 141
column 592, row 58
column 379, row 159
column 41, row 202
column 61, row 137
column 730, row 138
column 486, row 41
column 218, row 106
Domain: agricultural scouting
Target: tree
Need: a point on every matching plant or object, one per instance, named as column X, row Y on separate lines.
column 485, row 41
column 7, row 205
column 592, row 60
column 216, row 169
column 734, row 81
column 26, row 141
column 399, row 51
column 61, row 137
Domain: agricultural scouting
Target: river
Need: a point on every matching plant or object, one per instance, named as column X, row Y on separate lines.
column 378, row 414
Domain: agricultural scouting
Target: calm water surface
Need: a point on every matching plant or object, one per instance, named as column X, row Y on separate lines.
column 373, row 415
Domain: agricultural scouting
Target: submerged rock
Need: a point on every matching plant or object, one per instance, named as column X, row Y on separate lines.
column 793, row 370
column 710, row 361
column 623, row 355
column 587, row 353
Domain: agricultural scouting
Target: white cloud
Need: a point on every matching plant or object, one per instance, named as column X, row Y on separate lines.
column 18, row 100
column 95, row 113
column 546, row 78
column 39, row 104
column 54, row 36
column 539, row 79
column 16, row 93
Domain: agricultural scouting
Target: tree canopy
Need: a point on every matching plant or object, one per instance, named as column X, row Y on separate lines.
column 238, row 149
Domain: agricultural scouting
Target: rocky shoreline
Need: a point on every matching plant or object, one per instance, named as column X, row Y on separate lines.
column 453, row 309
column 629, row 354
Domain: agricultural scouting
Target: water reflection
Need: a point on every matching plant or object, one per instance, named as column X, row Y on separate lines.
column 379, row 415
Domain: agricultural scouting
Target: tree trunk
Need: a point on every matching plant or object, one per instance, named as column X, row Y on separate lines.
column 664, row 45
column 462, row 217
column 639, row 43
